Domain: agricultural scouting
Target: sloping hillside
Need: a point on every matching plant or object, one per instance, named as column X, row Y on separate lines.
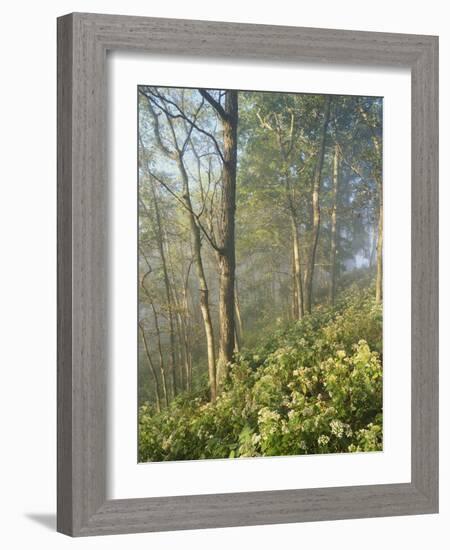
column 313, row 386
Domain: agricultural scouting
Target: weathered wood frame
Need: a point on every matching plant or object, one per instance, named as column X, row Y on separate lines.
column 83, row 40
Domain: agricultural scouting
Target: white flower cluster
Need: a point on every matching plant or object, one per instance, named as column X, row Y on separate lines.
column 268, row 420
column 323, row 440
column 266, row 415
column 337, row 428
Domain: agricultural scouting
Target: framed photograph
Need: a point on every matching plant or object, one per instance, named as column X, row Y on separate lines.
column 247, row 274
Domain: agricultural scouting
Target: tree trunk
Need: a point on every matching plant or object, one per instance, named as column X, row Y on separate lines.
column 239, row 330
column 182, row 346
column 182, row 357
column 161, row 357
column 227, row 259
column 160, row 239
column 294, row 301
column 378, row 176
column 309, row 268
column 379, row 181
column 379, row 281
column 334, row 227
column 226, row 251
column 373, row 246
column 186, row 331
column 207, row 322
column 297, row 272
column 203, row 286
column 152, row 369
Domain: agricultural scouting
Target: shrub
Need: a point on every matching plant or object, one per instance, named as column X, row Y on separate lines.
column 314, row 386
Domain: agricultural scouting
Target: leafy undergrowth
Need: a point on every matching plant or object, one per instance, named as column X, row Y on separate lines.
column 314, row 386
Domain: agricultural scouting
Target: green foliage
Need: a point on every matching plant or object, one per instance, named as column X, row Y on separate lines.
column 314, row 386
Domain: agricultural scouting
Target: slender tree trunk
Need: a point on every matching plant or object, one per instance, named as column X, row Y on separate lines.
column 180, row 349
column 203, row 286
column 379, row 281
column 186, row 332
column 180, row 325
column 285, row 149
column 158, row 333
column 294, row 301
column 206, row 315
column 227, row 259
column 161, row 357
column 152, row 368
column 237, row 341
column 309, row 268
column 334, row 227
column 379, row 181
column 181, row 360
column 187, row 358
column 373, row 246
column 238, row 327
column 160, row 239
column 184, row 347
column 297, row 271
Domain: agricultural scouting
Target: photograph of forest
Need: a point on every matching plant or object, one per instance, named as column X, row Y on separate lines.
column 260, row 221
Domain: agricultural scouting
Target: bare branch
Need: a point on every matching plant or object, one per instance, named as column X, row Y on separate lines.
column 263, row 121
column 155, row 117
column 149, row 267
column 151, row 97
column 196, row 216
column 214, row 103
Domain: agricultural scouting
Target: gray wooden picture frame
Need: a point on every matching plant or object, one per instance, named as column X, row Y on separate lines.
column 83, row 41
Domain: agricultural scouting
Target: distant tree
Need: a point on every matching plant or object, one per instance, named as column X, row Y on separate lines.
column 317, row 179
column 370, row 114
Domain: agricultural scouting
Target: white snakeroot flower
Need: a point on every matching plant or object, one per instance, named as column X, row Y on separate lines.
column 337, row 428
column 266, row 415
